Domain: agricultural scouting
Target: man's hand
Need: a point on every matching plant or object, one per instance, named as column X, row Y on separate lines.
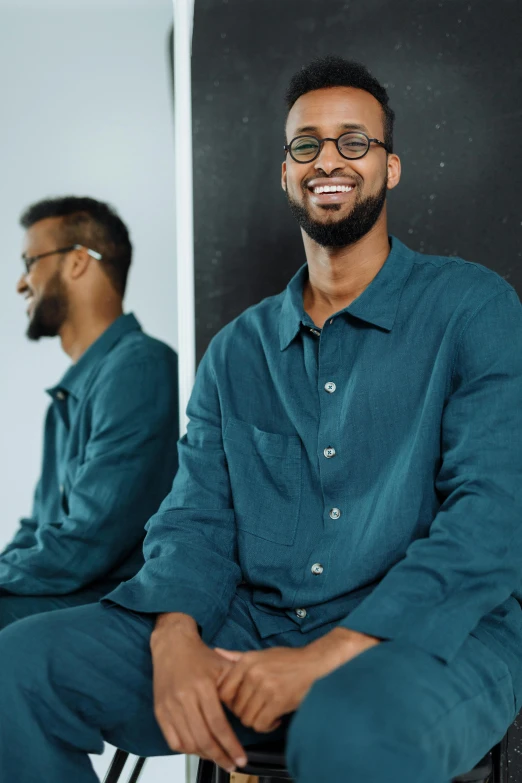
column 263, row 686
column 186, row 678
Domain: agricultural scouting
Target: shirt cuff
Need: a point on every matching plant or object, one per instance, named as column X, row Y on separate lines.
column 208, row 612
column 433, row 630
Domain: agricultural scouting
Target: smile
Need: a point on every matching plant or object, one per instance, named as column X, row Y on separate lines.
column 332, row 189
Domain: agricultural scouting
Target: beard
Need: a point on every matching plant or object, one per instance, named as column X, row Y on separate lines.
column 347, row 230
column 50, row 311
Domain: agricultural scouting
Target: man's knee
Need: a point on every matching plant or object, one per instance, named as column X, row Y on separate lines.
column 21, row 663
column 8, row 610
column 35, row 653
column 343, row 731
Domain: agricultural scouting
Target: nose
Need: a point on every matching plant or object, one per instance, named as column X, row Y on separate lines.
column 21, row 286
column 329, row 158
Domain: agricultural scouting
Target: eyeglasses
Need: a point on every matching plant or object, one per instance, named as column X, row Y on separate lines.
column 30, row 260
column 352, row 145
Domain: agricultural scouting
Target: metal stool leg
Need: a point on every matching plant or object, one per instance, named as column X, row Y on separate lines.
column 116, row 767
column 205, row 771
column 499, row 760
column 136, row 772
column 222, row 776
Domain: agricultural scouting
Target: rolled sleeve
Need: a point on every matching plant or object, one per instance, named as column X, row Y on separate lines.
column 471, row 561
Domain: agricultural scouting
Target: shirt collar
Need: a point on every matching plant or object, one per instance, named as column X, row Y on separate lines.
column 76, row 378
column 377, row 304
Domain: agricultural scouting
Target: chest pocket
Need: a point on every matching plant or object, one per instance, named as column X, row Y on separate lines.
column 265, row 475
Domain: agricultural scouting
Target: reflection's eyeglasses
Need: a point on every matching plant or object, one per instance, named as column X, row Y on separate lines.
column 352, row 145
column 30, row 260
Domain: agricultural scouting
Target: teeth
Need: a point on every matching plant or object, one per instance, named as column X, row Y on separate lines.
column 333, row 189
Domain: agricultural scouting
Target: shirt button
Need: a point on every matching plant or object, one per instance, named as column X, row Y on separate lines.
column 329, row 452
column 60, row 395
column 330, row 387
column 317, row 569
column 316, row 332
column 301, row 613
column 62, row 489
column 335, row 513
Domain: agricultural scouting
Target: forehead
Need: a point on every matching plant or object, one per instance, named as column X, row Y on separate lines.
column 334, row 109
column 41, row 234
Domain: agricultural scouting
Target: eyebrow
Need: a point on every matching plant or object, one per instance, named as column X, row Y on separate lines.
column 343, row 126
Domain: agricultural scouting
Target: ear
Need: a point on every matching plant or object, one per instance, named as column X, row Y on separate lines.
column 78, row 263
column 283, row 176
column 394, row 171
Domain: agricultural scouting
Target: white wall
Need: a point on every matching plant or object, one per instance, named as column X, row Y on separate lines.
column 85, row 109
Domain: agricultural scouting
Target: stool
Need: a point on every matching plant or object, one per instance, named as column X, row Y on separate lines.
column 268, row 763
column 116, row 768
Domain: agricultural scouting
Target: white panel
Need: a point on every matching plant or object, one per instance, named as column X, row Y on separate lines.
column 183, row 24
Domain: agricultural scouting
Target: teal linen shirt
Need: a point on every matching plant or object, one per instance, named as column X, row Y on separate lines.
column 368, row 474
column 109, row 458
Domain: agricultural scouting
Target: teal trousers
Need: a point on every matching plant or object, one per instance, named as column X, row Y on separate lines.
column 16, row 607
column 76, row 677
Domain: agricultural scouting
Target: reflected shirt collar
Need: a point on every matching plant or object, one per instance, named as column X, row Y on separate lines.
column 76, row 378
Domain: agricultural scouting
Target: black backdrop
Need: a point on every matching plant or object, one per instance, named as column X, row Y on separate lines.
column 453, row 71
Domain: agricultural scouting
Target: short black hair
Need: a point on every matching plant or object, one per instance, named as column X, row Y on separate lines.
column 332, row 71
column 93, row 224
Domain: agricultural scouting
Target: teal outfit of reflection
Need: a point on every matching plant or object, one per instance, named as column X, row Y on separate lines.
column 109, row 458
column 364, row 475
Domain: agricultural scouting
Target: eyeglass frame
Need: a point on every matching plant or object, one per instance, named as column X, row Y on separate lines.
column 336, row 142
column 30, row 260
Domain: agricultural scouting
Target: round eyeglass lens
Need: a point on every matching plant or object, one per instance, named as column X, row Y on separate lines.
column 305, row 148
column 353, row 145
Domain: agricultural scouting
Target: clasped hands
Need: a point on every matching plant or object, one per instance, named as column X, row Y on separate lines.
column 192, row 682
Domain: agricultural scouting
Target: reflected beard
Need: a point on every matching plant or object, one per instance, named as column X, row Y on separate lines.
column 349, row 229
column 50, row 312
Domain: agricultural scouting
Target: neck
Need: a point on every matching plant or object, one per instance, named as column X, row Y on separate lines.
column 80, row 331
column 337, row 276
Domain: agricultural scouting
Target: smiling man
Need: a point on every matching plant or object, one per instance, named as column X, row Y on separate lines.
column 109, row 452
column 341, row 550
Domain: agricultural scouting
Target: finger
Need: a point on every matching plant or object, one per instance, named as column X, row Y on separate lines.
column 267, row 719
column 228, row 687
column 207, row 745
column 251, row 707
column 176, row 731
column 245, row 695
column 171, row 736
column 230, row 655
column 226, row 666
column 221, row 729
